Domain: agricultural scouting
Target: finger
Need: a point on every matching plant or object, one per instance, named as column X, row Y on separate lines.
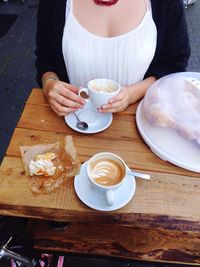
column 59, row 114
column 61, row 110
column 114, row 105
column 111, row 110
column 67, row 102
column 118, row 97
column 71, row 94
column 71, row 87
column 65, row 114
column 63, row 95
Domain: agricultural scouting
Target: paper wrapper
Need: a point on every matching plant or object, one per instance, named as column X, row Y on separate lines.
column 66, row 156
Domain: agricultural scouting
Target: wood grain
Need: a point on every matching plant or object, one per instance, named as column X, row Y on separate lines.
column 160, row 223
column 37, row 97
column 124, row 242
column 170, row 201
column 137, row 155
column 43, row 118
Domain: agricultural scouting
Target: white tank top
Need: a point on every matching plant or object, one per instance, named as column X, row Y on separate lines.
column 124, row 58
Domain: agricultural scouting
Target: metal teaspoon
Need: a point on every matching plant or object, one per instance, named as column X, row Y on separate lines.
column 82, row 125
column 139, row 174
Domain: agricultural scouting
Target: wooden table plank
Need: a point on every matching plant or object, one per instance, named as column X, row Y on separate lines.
column 37, row 98
column 164, row 195
column 124, row 242
column 40, row 117
column 137, row 155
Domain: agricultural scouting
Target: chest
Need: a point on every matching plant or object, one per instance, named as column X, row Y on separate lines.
column 109, row 21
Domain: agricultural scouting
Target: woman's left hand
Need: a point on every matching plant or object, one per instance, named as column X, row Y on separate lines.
column 117, row 103
column 128, row 95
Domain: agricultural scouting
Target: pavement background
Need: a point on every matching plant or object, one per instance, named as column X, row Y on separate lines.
column 193, row 21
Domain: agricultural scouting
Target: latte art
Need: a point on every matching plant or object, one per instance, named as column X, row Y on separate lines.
column 106, row 172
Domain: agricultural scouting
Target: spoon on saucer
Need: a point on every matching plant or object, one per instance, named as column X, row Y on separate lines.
column 82, row 125
column 139, row 174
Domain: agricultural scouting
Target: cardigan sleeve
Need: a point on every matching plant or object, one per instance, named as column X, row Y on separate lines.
column 173, row 49
column 45, row 52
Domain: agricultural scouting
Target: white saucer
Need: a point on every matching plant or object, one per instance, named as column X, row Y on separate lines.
column 167, row 144
column 97, row 121
column 97, row 200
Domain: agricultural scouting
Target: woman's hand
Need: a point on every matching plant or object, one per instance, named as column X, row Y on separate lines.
column 128, row 95
column 118, row 103
column 62, row 97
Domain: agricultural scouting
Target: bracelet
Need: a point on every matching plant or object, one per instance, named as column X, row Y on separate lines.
column 49, row 78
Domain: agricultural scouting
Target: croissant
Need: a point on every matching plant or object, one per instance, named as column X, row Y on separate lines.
column 175, row 103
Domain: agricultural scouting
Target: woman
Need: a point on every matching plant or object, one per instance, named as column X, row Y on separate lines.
column 133, row 42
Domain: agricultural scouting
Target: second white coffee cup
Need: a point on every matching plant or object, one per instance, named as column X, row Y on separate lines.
column 107, row 172
column 99, row 91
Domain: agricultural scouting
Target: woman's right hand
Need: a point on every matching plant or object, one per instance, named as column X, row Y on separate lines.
column 62, row 97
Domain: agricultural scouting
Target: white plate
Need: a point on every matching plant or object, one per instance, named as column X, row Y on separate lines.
column 97, row 121
column 167, row 144
column 97, row 200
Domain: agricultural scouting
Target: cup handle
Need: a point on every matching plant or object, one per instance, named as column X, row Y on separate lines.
column 110, row 196
column 83, row 92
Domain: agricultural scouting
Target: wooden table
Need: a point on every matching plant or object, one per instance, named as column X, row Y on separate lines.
column 160, row 223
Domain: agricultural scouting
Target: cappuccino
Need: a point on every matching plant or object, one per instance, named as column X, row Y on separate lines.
column 106, row 171
column 100, row 91
column 103, row 88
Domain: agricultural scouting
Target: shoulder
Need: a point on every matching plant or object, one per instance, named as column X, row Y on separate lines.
column 166, row 6
column 167, row 3
column 51, row 10
column 167, row 11
column 51, row 4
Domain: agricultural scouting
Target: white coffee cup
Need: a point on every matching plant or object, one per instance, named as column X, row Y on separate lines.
column 99, row 91
column 106, row 173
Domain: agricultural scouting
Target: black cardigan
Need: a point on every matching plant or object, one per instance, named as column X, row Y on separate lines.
column 172, row 50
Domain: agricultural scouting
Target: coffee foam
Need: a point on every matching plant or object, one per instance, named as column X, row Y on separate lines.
column 102, row 88
column 106, row 172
